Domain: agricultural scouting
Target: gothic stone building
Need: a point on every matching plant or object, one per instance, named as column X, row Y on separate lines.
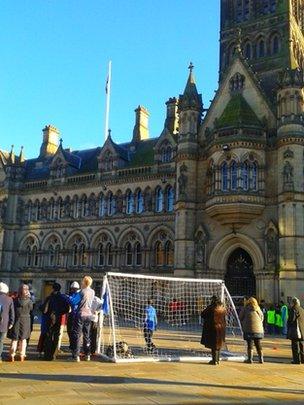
column 218, row 194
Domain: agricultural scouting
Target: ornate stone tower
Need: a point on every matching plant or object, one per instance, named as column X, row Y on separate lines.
column 270, row 33
column 190, row 113
column 290, row 144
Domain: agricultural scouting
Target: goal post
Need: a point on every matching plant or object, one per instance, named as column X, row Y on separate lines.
column 149, row 318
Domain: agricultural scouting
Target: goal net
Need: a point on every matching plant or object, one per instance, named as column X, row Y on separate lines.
column 131, row 304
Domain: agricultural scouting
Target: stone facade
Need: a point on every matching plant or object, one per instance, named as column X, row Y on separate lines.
column 219, row 194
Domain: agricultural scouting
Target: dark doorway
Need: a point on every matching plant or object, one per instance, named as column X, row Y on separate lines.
column 240, row 279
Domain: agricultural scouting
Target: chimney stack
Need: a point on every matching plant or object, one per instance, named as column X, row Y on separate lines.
column 171, row 122
column 50, row 141
column 141, row 130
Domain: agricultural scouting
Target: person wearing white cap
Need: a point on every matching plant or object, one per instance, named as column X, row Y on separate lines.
column 7, row 314
column 74, row 299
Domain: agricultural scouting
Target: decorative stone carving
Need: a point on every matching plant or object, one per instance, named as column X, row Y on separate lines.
column 200, row 247
column 236, row 83
column 182, row 180
column 288, row 154
column 288, row 177
column 119, row 204
column 271, row 244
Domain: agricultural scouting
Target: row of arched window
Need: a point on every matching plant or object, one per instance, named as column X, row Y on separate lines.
column 103, row 205
column 234, row 176
column 131, row 254
column 244, row 7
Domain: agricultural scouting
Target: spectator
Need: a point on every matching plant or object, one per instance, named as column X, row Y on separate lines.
column 74, row 299
column 21, row 330
column 278, row 321
column 96, row 308
column 55, row 306
column 284, row 315
column 7, row 314
column 251, row 318
column 214, row 328
column 82, row 320
column 264, row 311
column 295, row 331
column 271, row 314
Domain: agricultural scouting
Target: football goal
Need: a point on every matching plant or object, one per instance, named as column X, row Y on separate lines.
column 147, row 318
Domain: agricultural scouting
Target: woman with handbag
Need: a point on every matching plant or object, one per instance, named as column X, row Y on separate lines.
column 295, row 331
column 251, row 317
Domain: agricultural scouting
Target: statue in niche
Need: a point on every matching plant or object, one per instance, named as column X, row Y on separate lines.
column 200, row 250
column 67, row 208
column 148, row 201
column 271, row 245
column 43, row 210
column 119, row 204
column 92, row 206
column 182, row 180
column 20, row 210
column 288, row 173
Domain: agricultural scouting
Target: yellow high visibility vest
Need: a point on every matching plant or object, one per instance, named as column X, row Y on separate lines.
column 271, row 315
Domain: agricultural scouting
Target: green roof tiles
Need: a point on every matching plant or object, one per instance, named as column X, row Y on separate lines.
column 238, row 113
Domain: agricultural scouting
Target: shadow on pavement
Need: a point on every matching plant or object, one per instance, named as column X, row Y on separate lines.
column 127, row 380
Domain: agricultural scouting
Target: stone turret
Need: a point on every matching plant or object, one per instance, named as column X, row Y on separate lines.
column 190, row 112
column 141, row 129
column 50, row 141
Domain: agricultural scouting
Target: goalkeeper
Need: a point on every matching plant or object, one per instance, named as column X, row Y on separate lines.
column 150, row 324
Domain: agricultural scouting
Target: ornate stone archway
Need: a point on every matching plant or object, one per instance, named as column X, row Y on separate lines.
column 220, row 254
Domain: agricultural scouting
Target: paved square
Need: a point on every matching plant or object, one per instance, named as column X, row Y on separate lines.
column 64, row 382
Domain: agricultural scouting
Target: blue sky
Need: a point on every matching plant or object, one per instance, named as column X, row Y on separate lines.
column 54, row 57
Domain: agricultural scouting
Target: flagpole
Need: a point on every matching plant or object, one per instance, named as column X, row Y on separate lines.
column 108, row 94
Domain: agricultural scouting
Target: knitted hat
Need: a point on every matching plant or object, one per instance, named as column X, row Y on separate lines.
column 75, row 285
column 3, row 288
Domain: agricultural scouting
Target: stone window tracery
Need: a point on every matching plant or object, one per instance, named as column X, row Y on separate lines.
column 159, row 197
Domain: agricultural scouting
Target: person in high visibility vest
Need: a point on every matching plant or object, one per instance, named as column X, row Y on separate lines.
column 278, row 321
column 271, row 315
column 284, row 314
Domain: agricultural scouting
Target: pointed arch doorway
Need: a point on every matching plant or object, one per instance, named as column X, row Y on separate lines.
column 240, row 279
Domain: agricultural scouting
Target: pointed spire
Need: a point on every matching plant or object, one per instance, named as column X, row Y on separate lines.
column 190, row 98
column 12, row 155
column 21, row 155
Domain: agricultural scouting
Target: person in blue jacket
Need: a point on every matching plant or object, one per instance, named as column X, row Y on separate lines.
column 150, row 324
column 74, row 300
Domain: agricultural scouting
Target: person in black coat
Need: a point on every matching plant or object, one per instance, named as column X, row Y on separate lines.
column 7, row 314
column 54, row 307
column 21, row 330
column 295, row 331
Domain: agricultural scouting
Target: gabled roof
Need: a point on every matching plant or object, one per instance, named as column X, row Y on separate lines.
column 238, row 113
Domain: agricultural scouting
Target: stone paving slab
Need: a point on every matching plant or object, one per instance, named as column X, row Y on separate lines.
column 62, row 382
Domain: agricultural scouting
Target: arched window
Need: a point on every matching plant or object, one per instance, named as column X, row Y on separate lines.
column 139, row 202
column 169, row 259
column 248, row 50
column 254, row 177
column 101, row 260
column 261, row 48
column 51, row 256
column 75, row 255
column 233, row 175
column 35, row 256
column 159, row 200
column 109, row 253
column 57, row 255
column 129, row 254
column 78, row 253
column 138, row 254
column 111, row 204
column 245, row 176
column 159, row 254
column 28, row 256
column 275, row 46
column 166, row 155
column 170, row 199
column 224, row 173
column 130, row 203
